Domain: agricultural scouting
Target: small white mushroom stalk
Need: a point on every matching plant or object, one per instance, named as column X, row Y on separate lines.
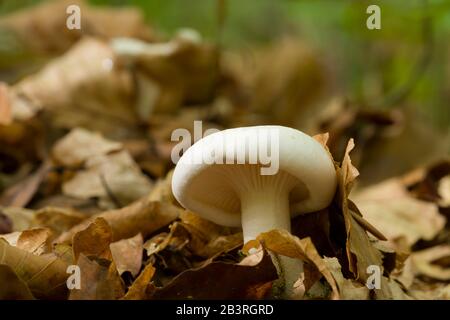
column 264, row 207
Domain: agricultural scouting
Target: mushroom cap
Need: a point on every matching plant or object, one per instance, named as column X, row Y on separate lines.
column 209, row 189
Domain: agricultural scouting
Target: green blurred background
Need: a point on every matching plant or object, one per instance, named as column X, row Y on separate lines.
column 406, row 61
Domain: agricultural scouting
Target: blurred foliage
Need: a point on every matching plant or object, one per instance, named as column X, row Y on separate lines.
column 371, row 65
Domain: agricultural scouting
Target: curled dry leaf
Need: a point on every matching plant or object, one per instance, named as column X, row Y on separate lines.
column 127, row 254
column 80, row 145
column 21, row 193
column 360, row 251
column 348, row 289
column 5, row 223
column 20, row 218
column 283, row 243
column 58, row 220
column 83, row 83
column 99, row 281
column 426, row 262
column 45, row 275
column 169, row 74
column 143, row 216
column 115, row 179
column 94, row 240
column 242, row 282
column 444, row 191
column 389, row 207
column 140, row 288
column 35, row 241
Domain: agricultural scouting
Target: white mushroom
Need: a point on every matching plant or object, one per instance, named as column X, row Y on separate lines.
column 258, row 178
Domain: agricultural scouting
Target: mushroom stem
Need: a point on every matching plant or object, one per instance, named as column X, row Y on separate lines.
column 264, row 209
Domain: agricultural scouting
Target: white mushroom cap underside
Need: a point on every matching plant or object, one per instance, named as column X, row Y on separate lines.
column 212, row 190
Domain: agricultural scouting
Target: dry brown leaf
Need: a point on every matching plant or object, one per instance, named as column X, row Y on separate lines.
column 182, row 70
column 21, row 218
column 44, row 275
column 5, row 223
column 20, row 194
column 99, row 280
column 424, row 262
column 138, row 290
column 348, row 289
column 83, row 84
column 94, row 240
column 58, row 220
column 286, row 244
column 115, row 179
column 5, row 107
column 13, row 288
column 53, row 36
column 79, row 145
column 444, row 191
column 390, row 208
column 127, row 254
column 35, row 241
column 142, row 216
column 242, row 282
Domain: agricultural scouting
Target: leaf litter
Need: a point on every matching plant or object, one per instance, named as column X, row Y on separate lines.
column 88, row 138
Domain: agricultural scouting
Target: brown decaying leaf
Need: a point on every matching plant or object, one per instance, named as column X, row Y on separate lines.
column 53, row 36
column 35, row 241
column 44, row 275
column 391, row 208
column 5, row 223
column 20, row 218
column 5, row 107
column 79, row 145
column 21, row 193
column 99, row 280
column 113, row 178
column 58, row 220
column 139, row 288
column 219, row 280
column 348, row 289
column 13, row 288
column 143, row 216
column 425, row 262
column 94, row 240
column 286, row 244
column 127, row 254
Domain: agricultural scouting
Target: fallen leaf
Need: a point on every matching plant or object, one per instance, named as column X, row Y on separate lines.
column 80, row 145
column 13, row 288
column 348, row 289
column 20, row 194
column 204, row 282
column 424, row 262
column 44, row 275
column 127, row 254
column 286, row 244
column 56, row 219
column 142, row 216
column 113, row 178
column 138, row 290
column 5, row 107
column 94, row 240
column 20, row 218
column 35, row 241
column 99, row 280
column 390, row 208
